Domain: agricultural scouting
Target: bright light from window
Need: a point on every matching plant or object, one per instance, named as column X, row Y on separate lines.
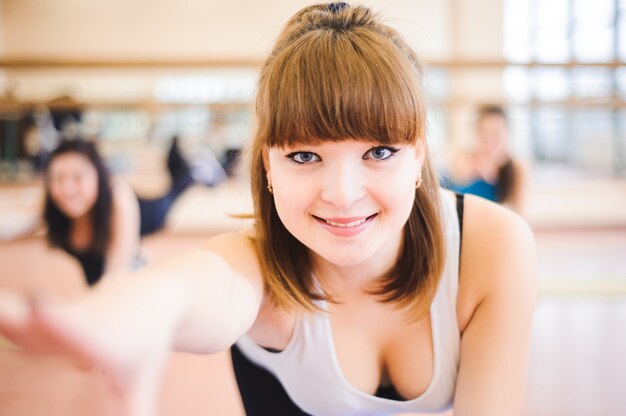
column 593, row 44
column 554, row 31
column 593, row 34
column 592, row 82
column 596, row 11
column 620, row 74
column 621, row 53
column 517, row 31
column 550, row 40
column 550, row 84
column 516, row 82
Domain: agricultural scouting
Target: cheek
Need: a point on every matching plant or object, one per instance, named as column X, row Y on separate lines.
column 58, row 192
column 86, row 192
column 54, row 191
column 57, row 198
column 401, row 203
column 401, row 182
column 291, row 200
column 291, row 192
column 399, row 194
column 294, row 199
column 90, row 191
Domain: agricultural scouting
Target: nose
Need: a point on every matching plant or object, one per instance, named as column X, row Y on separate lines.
column 343, row 184
column 66, row 188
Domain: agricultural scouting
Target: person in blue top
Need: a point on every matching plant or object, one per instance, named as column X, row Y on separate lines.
column 490, row 171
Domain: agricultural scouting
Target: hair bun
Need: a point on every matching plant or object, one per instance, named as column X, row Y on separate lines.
column 337, row 7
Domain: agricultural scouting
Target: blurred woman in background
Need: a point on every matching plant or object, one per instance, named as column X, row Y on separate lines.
column 100, row 220
column 489, row 170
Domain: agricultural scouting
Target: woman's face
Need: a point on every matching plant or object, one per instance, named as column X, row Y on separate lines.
column 492, row 134
column 73, row 184
column 346, row 201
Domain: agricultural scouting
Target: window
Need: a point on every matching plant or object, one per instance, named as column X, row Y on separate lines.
column 567, row 68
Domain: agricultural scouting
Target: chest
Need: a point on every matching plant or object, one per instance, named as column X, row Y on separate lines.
column 373, row 346
column 378, row 346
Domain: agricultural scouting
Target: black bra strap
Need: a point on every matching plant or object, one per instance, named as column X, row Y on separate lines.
column 460, row 199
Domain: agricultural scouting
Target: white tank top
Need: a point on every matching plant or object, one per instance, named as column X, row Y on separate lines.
column 309, row 371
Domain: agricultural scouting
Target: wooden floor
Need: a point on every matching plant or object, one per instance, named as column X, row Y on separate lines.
column 578, row 359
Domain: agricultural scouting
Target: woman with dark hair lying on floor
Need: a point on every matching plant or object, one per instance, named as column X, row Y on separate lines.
column 98, row 219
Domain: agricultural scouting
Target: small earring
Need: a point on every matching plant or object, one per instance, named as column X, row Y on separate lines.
column 269, row 187
column 418, row 182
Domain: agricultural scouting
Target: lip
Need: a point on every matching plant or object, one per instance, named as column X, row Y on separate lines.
column 345, row 227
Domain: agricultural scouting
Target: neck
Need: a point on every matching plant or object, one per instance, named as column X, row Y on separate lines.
column 355, row 281
column 81, row 232
column 83, row 221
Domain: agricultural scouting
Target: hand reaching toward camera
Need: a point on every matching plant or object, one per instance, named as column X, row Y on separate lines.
column 129, row 322
column 128, row 338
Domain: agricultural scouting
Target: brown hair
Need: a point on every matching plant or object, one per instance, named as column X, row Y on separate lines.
column 491, row 110
column 337, row 75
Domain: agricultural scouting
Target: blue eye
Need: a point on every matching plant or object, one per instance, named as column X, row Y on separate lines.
column 380, row 153
column 303, row 157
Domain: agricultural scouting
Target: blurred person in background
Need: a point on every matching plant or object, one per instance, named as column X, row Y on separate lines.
column 97, row 219
column 488, row 169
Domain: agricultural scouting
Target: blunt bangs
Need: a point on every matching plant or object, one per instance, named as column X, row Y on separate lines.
column 337, row 85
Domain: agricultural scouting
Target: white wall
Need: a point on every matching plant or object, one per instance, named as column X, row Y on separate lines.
column 135, row 29
column 479, row 29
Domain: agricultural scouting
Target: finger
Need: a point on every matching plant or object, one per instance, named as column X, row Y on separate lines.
column 15, row 319
column 59, row 332
column 14, row 311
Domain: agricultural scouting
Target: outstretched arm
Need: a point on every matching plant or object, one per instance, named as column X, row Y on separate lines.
column 218, row 287
column 497, row 296
column 201, row 302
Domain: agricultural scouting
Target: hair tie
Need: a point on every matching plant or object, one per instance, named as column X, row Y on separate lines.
column 336, row 7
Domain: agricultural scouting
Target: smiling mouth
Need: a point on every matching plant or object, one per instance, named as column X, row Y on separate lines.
column 351, row 224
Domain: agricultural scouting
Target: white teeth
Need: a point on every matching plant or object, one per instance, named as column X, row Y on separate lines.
column 348, row 225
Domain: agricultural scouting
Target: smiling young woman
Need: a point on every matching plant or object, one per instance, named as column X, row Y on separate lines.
column 362, row 287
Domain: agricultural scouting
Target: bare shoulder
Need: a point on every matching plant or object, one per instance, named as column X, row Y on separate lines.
column 498, row 257
column 238, row 250
column 233, row 244
column 273, row 326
